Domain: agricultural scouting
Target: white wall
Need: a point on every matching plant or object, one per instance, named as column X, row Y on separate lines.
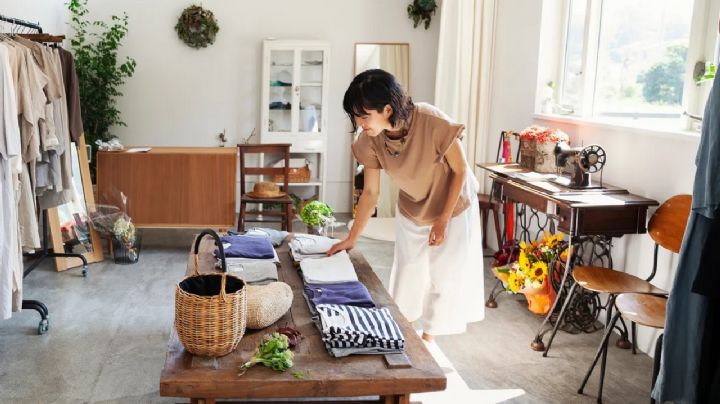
column 51, row 14
column 649, row 164
column 180, row 96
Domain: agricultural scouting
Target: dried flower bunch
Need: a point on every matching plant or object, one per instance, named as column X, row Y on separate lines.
column 541, row 134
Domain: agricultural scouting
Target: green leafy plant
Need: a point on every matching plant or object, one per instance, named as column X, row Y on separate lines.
column 421, row 10
column 100, row 73
column 316, row 213
column 273, row 352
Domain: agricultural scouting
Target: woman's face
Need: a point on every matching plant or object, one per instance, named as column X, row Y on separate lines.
column 373, row 122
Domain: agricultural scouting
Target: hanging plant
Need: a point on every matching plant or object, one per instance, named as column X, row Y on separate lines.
column 421, row 10
column 197, row 27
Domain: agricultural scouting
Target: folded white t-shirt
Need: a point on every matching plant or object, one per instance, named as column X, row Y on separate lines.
column 334, row 269
column 307, row 244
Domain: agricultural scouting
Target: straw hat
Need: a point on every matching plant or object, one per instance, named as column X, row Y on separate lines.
column 265, row 189
column 267, row 303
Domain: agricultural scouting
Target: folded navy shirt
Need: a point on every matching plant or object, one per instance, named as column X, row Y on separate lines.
column 346, row 293
column 247, row 247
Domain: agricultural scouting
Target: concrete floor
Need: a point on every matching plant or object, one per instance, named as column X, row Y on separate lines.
column 108, row 332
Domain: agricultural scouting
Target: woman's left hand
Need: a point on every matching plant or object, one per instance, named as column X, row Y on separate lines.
column 437, row 233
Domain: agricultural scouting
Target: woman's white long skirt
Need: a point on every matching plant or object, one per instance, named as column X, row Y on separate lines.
column 440, row 286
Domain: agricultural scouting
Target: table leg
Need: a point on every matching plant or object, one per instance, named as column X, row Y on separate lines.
column 396, row 399
column 202, row 401
column 537, row 343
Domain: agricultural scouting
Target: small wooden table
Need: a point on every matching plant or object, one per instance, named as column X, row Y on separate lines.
column 204, row 380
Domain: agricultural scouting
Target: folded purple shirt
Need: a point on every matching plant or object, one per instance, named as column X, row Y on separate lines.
column 347, row 293
column 247, row 247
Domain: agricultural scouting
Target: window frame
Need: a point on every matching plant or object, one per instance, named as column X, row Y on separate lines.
column 702, row 46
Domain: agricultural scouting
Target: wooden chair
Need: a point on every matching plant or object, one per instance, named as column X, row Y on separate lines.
column 666, row 228
column 643, row 309
column 285, row 215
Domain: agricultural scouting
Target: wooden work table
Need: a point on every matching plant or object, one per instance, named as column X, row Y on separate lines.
column 391, row 378
column 172, row 186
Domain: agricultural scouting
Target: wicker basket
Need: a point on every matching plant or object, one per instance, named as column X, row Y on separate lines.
column 210, row 308
column 297, row 174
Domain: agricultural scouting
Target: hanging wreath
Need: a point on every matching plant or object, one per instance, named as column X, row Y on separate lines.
column 197, row 27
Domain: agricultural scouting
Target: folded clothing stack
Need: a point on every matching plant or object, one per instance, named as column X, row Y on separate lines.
column 310, row 246
column 239, row 249
column 348, row 293
column 356, row 330
column 334, row 269
column 276, row 237
column 254, row 273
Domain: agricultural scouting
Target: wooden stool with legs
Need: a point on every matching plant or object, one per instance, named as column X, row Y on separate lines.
column 643, row 309
column 285, row 215
column 666, row 228
column 491, row 203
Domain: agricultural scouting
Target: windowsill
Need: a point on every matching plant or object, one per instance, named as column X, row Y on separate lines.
column 619, row 126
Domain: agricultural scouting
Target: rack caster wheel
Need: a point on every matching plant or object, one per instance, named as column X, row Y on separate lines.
column 43, row 327
column 84, row 272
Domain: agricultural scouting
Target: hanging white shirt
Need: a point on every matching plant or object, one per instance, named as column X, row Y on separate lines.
column 10, row 258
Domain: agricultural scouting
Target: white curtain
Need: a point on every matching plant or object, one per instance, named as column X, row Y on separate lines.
column 464, row 71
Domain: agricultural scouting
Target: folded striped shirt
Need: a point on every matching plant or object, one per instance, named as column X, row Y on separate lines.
column 359, row 327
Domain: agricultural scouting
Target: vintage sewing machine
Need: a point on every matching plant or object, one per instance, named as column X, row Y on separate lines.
column 575, row 164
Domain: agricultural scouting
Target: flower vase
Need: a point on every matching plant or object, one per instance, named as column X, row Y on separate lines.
column 545, row 157
column 541, row 299
column 316, row 229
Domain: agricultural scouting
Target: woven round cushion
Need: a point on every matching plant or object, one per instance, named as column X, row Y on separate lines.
column 267, row 303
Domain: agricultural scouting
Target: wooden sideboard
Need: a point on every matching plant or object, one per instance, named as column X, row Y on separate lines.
column 172, row 186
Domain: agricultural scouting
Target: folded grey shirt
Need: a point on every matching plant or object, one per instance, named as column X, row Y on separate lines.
column 254, row 273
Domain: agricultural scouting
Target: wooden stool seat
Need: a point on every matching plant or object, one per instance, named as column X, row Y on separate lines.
column 647, row 310
column 486, row 200
column 605, row 280
column 282, row 200
column 488, row 205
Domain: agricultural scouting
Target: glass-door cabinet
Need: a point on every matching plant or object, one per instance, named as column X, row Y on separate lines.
column 294, row 103
column 294, row 100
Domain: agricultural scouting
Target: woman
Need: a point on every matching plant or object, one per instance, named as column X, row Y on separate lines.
column 437, row 270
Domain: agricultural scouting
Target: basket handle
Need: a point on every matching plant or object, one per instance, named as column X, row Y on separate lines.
column 223, row 281
column 218, row 243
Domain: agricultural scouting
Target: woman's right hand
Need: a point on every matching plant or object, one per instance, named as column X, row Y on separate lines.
column 343, row 245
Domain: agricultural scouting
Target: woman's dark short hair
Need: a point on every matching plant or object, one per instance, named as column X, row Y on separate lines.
column 373, row 90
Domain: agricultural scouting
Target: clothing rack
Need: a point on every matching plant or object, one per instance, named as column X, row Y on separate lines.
column 22, row 23
column 45, row 251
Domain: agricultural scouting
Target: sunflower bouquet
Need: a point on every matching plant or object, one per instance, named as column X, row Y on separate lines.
column 530, row 270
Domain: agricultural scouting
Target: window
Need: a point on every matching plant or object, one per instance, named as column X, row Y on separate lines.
column 635, row 60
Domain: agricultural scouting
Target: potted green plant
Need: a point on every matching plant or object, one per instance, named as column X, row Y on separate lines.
column 421, row 11
column 316, row 215
column 100, row 74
